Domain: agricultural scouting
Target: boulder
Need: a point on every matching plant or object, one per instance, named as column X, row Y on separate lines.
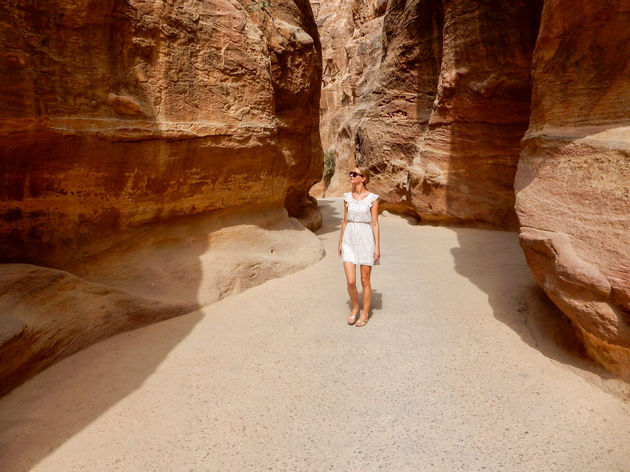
column 573, row 180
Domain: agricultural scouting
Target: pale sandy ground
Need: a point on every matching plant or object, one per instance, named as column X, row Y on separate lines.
column 463, row 366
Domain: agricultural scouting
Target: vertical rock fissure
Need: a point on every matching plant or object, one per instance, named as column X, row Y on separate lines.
column 439, row 112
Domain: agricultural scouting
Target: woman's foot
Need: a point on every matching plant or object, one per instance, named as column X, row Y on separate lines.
column 352, row 319
column 363, row 320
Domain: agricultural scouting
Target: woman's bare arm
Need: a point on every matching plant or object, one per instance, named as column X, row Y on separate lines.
column 376, row 231
column 343, row 225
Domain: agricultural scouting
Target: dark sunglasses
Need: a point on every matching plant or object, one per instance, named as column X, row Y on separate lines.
column 353, row 174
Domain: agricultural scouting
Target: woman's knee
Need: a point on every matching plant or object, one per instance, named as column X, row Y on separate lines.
column 365, row 280
column 352, row 284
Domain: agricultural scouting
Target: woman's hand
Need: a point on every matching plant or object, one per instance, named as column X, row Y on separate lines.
column 339, row 249
column 377, row 254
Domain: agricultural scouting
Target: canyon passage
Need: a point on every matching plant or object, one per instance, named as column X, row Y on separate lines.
column 455, row 370
column 170, row 294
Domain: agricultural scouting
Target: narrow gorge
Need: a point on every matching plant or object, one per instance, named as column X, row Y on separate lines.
column 158, row 156
column 171, row 294
column 502, row 114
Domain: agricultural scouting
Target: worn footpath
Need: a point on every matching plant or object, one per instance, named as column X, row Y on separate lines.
column 463, row 366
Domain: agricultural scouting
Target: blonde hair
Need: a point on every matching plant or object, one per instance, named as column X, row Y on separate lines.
column 365, row 172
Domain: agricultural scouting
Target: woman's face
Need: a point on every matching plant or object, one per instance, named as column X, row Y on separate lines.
column 357, row 176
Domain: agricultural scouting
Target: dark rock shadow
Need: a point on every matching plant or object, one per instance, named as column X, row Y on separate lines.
column 494, row 262
column 39, row 416
column 484, row 139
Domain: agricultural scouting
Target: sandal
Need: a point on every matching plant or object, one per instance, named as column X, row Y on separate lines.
column 362, row 322
column 352, row 319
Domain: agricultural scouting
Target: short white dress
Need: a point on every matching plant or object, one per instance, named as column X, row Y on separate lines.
column 358, row 244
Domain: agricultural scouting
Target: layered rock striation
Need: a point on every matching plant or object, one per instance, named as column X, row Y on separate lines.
column 351, row 33
column 573, row 179
column 444, row 100
column 117, row 114
column 444, row 105
column 154, row 148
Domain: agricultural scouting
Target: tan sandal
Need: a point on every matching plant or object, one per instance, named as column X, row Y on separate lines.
column 352, row 319
column 362, row 322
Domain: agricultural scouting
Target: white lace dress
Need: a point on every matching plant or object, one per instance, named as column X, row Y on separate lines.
column 358, row 244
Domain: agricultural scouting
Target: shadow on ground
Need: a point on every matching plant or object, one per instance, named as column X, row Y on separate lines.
column 376, row 305
column 174, row 262
column 39, row 416
column 494, row 262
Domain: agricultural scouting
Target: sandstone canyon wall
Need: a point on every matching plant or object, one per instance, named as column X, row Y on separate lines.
column 573, row 179
column 441, row 104
column 443, row 100
column 351, row 35
column 155, row 149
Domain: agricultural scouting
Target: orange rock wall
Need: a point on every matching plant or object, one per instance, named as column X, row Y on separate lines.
column 121, row 113
column 351, row 34
column 466, row 161
column 573, row 179
column 444, row 107
column 151, row 153
column 444, row 100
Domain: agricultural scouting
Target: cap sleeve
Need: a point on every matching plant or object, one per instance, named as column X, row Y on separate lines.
column 373, row 198
column 346, row 197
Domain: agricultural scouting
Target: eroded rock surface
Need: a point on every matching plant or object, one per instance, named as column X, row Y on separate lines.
column 149, row 274
column 121, row 113
column 436, row 104
column 154, row 148
column 351, row 33
column 444, row 104
column 573, row 180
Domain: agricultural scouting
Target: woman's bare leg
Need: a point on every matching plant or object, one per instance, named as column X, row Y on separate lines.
column 366, row 271
column 351, row 277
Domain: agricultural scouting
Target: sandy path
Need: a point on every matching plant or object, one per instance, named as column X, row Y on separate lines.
column 454, row 372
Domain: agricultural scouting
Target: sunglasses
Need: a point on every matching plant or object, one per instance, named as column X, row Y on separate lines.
column 354, row 174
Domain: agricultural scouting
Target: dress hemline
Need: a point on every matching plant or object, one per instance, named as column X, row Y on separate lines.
column 352, row 262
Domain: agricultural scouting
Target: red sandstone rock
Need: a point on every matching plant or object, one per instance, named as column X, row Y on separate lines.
column 142, row 276
column 573, row 179
column 351, row 34
column 120, row 114
column 438, row 119
column 49, row 314
column 439, row 116
column 151, row 148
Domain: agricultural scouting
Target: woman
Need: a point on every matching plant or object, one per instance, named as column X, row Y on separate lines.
column 359, row 241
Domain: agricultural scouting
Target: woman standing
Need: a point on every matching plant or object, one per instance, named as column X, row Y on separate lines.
column 359, row 241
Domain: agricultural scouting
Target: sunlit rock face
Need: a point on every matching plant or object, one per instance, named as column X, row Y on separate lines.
column 443, row 100
column 152, row 154
column 121, row 113
column 573, row 179
column 351, row 33
column 441, row 109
